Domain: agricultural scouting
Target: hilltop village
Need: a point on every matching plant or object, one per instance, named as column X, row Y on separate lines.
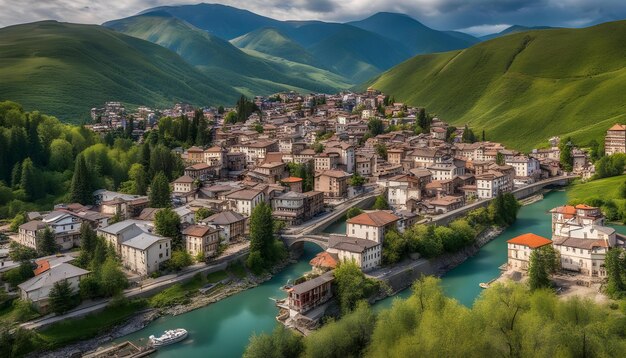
column 307, row 161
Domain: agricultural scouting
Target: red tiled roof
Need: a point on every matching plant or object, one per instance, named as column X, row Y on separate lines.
column 565, row 209
column 42, row 266
column 198, row 230
column 376, row 218
column 531, row 240
column 618, row 127
column 585, row 207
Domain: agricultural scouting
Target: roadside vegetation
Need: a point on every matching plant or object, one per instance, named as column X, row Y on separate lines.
column 609, row 194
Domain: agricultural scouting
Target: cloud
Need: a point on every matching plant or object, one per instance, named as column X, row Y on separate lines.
column 482, row 30
column 475, row 15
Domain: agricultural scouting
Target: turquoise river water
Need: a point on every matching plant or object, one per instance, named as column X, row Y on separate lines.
column 223, row 329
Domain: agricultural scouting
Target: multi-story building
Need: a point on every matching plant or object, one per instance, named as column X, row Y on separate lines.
column 201, row 240
column 183, row 185
column 255, row 151
column 520, row 247
column 64, row 225
column 333, row 183
column 401, row 189
column 231, row 224
column 446, row 171
column 489, row 184
column 367, row 254
column 524, row 166
column 371, row 225
column 615, row 140
column 581, row 239
column 245, row 200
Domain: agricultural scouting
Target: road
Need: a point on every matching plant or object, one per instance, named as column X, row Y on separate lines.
column 147, row 286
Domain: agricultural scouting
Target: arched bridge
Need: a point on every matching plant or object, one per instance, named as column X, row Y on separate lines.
column 319, row 240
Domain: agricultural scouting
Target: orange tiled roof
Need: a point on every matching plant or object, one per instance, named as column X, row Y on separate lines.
column 565, row 209
column 323, row 259
column 292, row 180
column 618, row 127
column 42, row 266
column 376, row 218
column 531, row 240
column 584, row 207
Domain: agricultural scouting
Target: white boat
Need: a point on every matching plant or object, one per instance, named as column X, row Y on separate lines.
column 169, row 337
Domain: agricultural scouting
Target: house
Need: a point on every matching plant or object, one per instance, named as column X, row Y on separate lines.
column 401, row 189
column 231, row 224
column 447, row 203
column 294, row 184
column 309, row 294
column 367, row 254
column 245, row 200
column 145, row 252
column 124, row 206
column 198, row 171
column 333, row 183
column 520, row 247
column 37, row 289
column 446, row 171
column 581, row 239
column 289, row 208
column 525, row 167
column 201, row 240
column 489, row 184
column 119, row 232
column 255, row 151
column 64, row 225
column 195, row 155
column 615, row 140
column 183, row 185
column 371, row 225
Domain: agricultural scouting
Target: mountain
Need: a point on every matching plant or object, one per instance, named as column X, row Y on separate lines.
column 523, row 88
column 220, row 59
column 65, row 69
column 513, row 30
column 223, row 21
column 413, row 35
column 273, row 42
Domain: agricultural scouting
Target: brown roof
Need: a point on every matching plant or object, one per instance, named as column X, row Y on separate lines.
column 333, row 173
column 376, row 218
column 194, row 149
column 33, row 225
column 184, row 180
column 291, row 180
column 324, row 259
column 586, row 244
column 199, row 166
column 245, row 194
column 198, row 230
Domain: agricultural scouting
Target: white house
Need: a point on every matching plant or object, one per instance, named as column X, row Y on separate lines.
column 490, row 183
column 366, row 254
column 524, row 166
column 145, row 252
column 520, row 247
column 371, row 225
column 245, row 200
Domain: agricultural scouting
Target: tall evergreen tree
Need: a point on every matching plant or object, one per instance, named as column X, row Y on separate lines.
column 160, row 192
column 28, row 180
column 81, row 189
column 543, row 262
column 262, row 233
column 35, row 148
column 60, row 297
column 16, row 175
column 566, row 157
column 615, row 263
column 167, row 224
column 46, row 243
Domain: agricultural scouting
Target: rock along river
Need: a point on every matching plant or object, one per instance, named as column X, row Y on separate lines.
column 223, row 329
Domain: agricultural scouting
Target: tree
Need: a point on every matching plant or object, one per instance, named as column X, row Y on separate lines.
column 468, row 135
column 615, row 263
column 543, row 262
column 380, row 203
column 381, row 150
column 61, row 297
column 318, row 147
column 160, row 192
column 180, row 259
column 595, row 151
column 281, row 343
column 18, row 220
column 261, row 236
column 230, row 118
column 500, row 158
column 375, row 126
column 46, row 242
column 202, row 214
column 81, row 190
column 566, row 157
column 483, row 136
column 395, row 247
column 258, row 127
column 29, row 180
column 112, row 279
column 88, row 243
column 352, row 285
column 357, row 180
column 16, row 175
column 423, row 120
column 167, row 224
column 19, row 274
column 450, row 134
column 353, row 211
column 61, row 156
column 21, row 253
column 138, row 180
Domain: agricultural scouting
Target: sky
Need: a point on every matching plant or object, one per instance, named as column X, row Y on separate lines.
column 478, row 17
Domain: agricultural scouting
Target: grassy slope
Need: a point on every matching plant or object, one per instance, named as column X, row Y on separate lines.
column 65, row 69
column 607, row 188
column 274, row 43
column 222, row 60
column 523, row 88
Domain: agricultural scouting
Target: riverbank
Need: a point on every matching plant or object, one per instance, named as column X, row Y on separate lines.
column 144, row 318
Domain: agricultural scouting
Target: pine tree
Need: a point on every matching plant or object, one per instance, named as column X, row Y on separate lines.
column 46, row 242
column 16, row 175
column 60, row 297
column 28, row 180
column 81, row 190
column 542, row 263
column 500, row 158
column 262, row 233
column 566, row 157
column 160, row 192
column 615, row 263
column 35, row 148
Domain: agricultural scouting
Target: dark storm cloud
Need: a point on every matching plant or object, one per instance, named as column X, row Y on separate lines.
column 475, row 15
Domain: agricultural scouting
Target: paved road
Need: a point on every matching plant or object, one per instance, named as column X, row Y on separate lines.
column 148, row 285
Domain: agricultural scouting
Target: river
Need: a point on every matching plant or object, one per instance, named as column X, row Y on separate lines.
column 223, row 329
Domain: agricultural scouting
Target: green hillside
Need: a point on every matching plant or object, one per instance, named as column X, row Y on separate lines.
column 221, row 60
column 66, row 69
column 513, row 30
column 523, row 88
column 273, row 42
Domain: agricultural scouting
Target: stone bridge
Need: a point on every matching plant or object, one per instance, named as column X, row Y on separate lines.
column 319, row 240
